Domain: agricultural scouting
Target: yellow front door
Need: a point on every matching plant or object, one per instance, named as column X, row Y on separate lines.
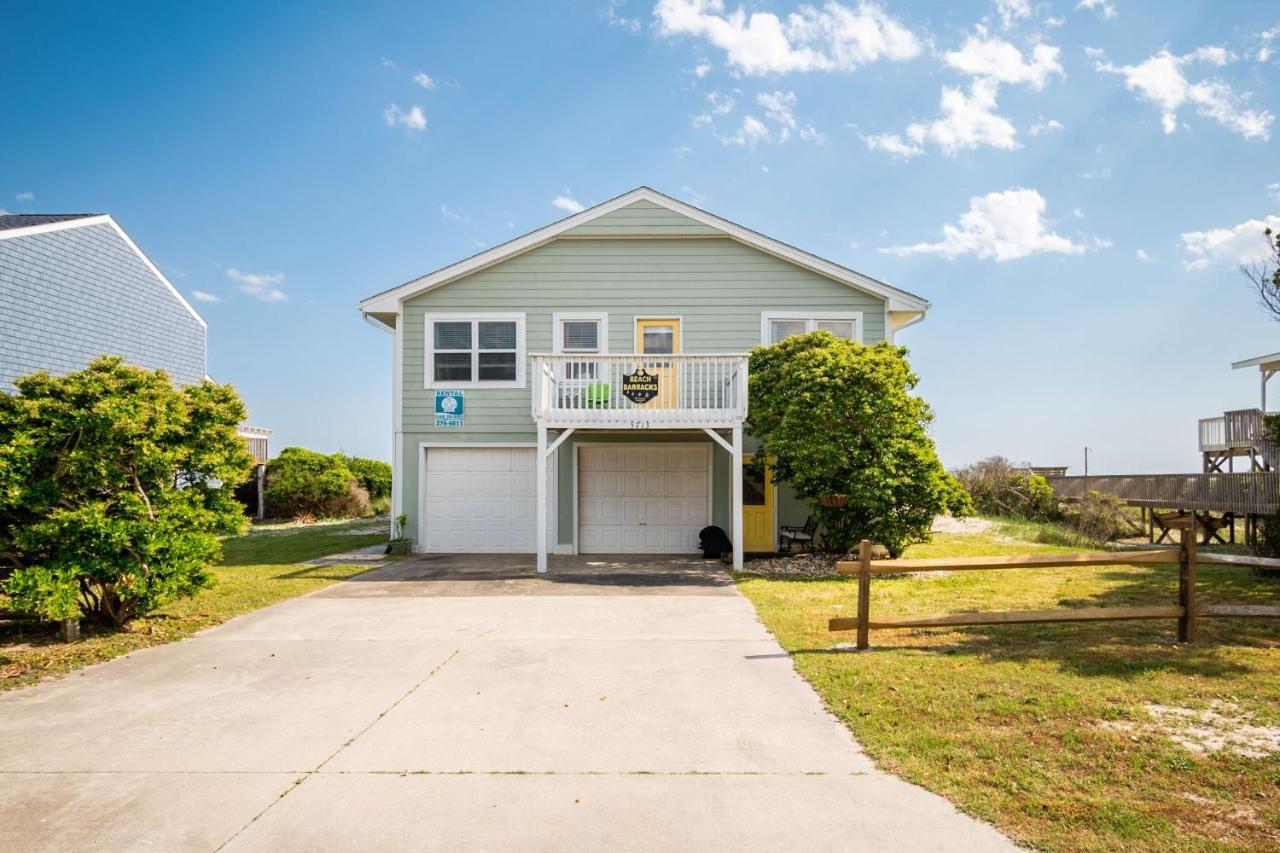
column 660, row 337
column 757, row 509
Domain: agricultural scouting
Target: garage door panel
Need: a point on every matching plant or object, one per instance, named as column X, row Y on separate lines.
column 482, row 500
column 645, row 499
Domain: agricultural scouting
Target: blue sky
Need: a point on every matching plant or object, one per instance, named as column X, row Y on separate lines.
column 1072, row 184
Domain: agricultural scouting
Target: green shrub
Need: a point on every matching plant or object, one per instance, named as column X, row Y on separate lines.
column 114, row 486
column 998, row 487
column 303, row 482
column 1100, row 518
column 838, row 417
column 373, row 475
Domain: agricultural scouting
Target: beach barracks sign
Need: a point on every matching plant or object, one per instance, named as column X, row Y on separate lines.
column 639, row 387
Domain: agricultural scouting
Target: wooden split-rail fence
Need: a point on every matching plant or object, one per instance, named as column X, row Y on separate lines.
column 1187, row 611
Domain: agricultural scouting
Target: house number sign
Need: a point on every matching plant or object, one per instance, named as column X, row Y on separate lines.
column 640, row 387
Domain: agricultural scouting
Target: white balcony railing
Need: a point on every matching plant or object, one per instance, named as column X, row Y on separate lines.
column 608, row 391
column 1240, row 429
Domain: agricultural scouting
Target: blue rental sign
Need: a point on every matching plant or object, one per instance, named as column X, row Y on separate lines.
column 449, row 406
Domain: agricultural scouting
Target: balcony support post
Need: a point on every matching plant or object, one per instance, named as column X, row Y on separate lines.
column 735, row 472
column 540, row 490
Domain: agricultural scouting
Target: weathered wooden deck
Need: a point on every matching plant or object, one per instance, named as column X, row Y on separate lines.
column 1253, row 493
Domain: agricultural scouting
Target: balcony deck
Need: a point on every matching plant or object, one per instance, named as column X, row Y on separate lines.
column 601, row 392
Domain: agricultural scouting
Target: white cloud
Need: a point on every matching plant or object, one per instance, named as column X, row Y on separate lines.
column 749, row 134
column 260, row 285
column 779, row 113
column 702, row 69
column 1273, row 190
column 1265, row 39
column 1102, row 173
column 832, row 38
column 1012, row 10
column 721, row 104
column 695, row 198
column 204, row 296
column 1142, row 256
column 1160, row 80
column 994, row 58
column 568, row 204
column 1001, row 225
column 25, row 196
column 969, row 119
column 611, row 14
column 411, row 120
column 1105, row 8
column 452, row 215
column 424, row 80
column 1043, row 125
column 387, row 63
column 1241, row 245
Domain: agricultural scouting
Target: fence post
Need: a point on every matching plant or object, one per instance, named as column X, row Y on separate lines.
column 1187, row 583
column 864, row 593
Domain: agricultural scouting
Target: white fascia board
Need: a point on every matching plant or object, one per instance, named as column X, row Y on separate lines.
column 106, row 219
column 899, row 300
column 1260, row 361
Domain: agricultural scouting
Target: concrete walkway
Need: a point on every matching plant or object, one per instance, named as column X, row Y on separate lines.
column 461, row 704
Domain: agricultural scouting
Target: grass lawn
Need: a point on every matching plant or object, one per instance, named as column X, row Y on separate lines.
column 1046, row 730
column 257, row 570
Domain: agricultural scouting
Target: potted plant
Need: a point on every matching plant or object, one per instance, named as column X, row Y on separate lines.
column 399, row 545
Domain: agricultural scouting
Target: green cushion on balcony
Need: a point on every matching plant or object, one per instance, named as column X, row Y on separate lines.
column 598, row 393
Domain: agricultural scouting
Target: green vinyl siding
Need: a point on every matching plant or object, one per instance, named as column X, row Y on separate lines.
column 643, row 219
column 716, row 285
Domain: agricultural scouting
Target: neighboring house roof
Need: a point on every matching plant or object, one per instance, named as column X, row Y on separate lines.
column 26, row 220
column 388, row 301
column 32, row 224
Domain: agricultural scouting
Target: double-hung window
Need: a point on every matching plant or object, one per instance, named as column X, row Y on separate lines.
column 777, row 326
column 475, row 350
column 581, row 333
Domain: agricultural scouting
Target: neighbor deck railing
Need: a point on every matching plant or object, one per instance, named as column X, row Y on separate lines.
column 692, row 391
column 1239, row 429
column 1254, row 493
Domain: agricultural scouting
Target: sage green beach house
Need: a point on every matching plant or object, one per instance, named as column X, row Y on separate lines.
column 582, row 389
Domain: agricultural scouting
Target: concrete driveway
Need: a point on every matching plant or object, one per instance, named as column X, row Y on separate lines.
column 461, row 704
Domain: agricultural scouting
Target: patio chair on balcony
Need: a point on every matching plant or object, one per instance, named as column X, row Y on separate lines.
column 802, row 536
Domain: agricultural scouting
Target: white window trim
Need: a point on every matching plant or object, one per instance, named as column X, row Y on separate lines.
column 429, row 369
column 558, row 318
column 811, row 318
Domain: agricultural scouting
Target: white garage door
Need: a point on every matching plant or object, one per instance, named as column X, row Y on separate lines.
column 642, row 499
column 481, row 500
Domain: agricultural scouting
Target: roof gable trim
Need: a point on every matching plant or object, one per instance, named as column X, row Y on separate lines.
column 106, row 219
column 898, row 300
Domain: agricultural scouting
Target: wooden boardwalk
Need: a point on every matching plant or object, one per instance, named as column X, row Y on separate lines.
column 1253, row 493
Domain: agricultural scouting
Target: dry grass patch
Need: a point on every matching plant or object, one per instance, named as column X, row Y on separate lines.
column 1047, row 730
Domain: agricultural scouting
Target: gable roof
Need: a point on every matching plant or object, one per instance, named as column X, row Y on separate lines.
column 26, row 220
column 388, row 301
column 50, row 222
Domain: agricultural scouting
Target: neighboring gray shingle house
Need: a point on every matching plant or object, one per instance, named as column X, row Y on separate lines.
column 74, row 287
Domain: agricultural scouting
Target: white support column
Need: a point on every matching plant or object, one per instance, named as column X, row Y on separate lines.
column 540, row 490
column 735, row 471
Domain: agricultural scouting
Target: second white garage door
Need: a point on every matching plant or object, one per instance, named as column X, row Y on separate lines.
column 481, row 500
column 642, row 499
